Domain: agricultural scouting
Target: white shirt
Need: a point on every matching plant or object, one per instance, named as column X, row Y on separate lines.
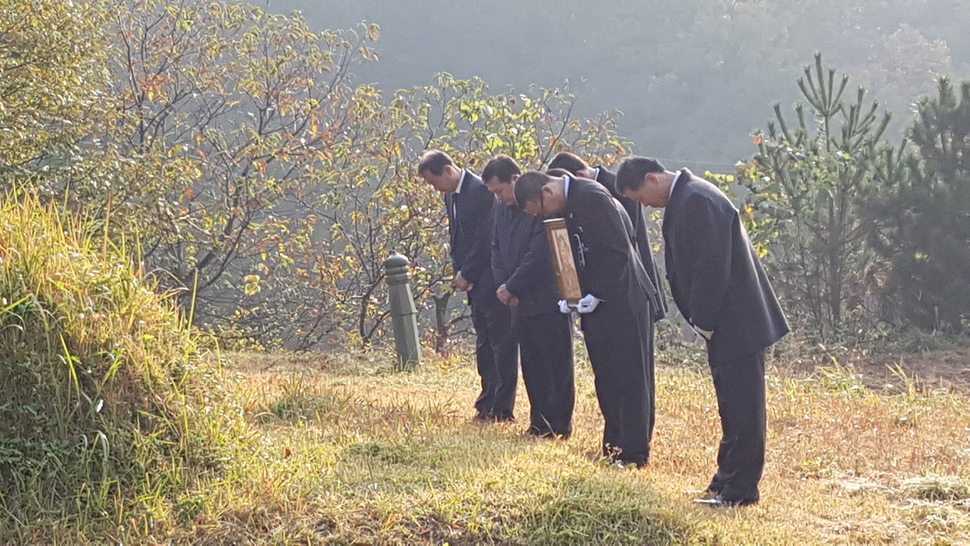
column 674, row 183
column 454, row 206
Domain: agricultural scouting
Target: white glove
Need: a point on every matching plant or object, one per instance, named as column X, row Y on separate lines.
column 564, row 307
column 588, row 304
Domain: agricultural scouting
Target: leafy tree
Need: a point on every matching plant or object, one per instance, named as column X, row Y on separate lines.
column 806, row 182
column 228, row 115
column 374, row 202
column 903, row 64
column 920, row 214
column 51, row 82
column 255, row 178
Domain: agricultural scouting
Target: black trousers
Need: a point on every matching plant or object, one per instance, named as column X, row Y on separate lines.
column 546, row 350
column 496, row 355
column 739, row 383
column 622, row 360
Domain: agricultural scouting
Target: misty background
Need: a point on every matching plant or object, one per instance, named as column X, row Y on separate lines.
column 693, row 79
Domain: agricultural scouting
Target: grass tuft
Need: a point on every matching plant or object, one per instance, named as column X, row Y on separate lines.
column 938, row 488
column 602, row 511
column 101, row 384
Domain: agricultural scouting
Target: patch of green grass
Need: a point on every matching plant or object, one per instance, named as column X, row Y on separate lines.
column 105, row 398
column 387, row 453
column 602, row 511
column 938, row 488
column 841, row 378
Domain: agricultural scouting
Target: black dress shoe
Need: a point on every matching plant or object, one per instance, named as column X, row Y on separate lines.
column 721, row 502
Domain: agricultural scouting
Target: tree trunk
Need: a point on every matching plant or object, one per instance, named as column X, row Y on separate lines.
column 441, row 323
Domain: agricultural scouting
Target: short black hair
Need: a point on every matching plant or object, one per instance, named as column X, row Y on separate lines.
column 502, row 167
column 559, row 172
column 568, row 161
column 434, row 161
column 529, row 187
column 632, row 170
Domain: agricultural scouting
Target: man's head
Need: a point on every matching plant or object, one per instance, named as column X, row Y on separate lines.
column 572, row 163
column 644, row 180
column 538, row 193
column 499, row 175
column 438, row 169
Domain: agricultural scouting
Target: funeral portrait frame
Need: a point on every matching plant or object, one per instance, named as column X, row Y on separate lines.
column 561, row 253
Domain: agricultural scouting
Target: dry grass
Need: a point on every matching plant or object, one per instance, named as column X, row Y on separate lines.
column 278, row 449
column 344, row 450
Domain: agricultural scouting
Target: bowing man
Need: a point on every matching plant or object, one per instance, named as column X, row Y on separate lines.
column 527, row 284
column 469, row 206
column 616, row 310
column 573, row 164
column 720, row 287
column 577, row 167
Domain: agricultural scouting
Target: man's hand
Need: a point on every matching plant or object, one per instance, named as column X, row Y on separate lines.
column 461, row 283
column 564, row 307
column 588, row 304
column 506, row 297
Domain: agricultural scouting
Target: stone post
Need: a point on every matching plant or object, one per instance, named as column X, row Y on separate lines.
column 404, row 316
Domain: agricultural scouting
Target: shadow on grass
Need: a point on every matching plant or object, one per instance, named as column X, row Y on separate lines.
column 399, row 472
column 578, row 511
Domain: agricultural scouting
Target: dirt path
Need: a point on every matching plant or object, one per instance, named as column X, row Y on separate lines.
column 949, row 369
column 934, row 370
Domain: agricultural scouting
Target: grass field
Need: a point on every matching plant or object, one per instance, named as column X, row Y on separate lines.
column 120, row 425
column 343, row 449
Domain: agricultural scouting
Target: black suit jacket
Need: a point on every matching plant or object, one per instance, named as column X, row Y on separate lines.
column 602, row 238
column 635, row 211
column 521, row 260
column 470, row 227
column 714, row 272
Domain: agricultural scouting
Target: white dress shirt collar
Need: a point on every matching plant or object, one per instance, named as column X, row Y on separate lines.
column 674, row 183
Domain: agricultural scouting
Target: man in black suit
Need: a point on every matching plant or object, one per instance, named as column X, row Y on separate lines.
column 574, row 164
column 616, row 310
column 522, row 268
column 469, row 206
column 720, row 287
